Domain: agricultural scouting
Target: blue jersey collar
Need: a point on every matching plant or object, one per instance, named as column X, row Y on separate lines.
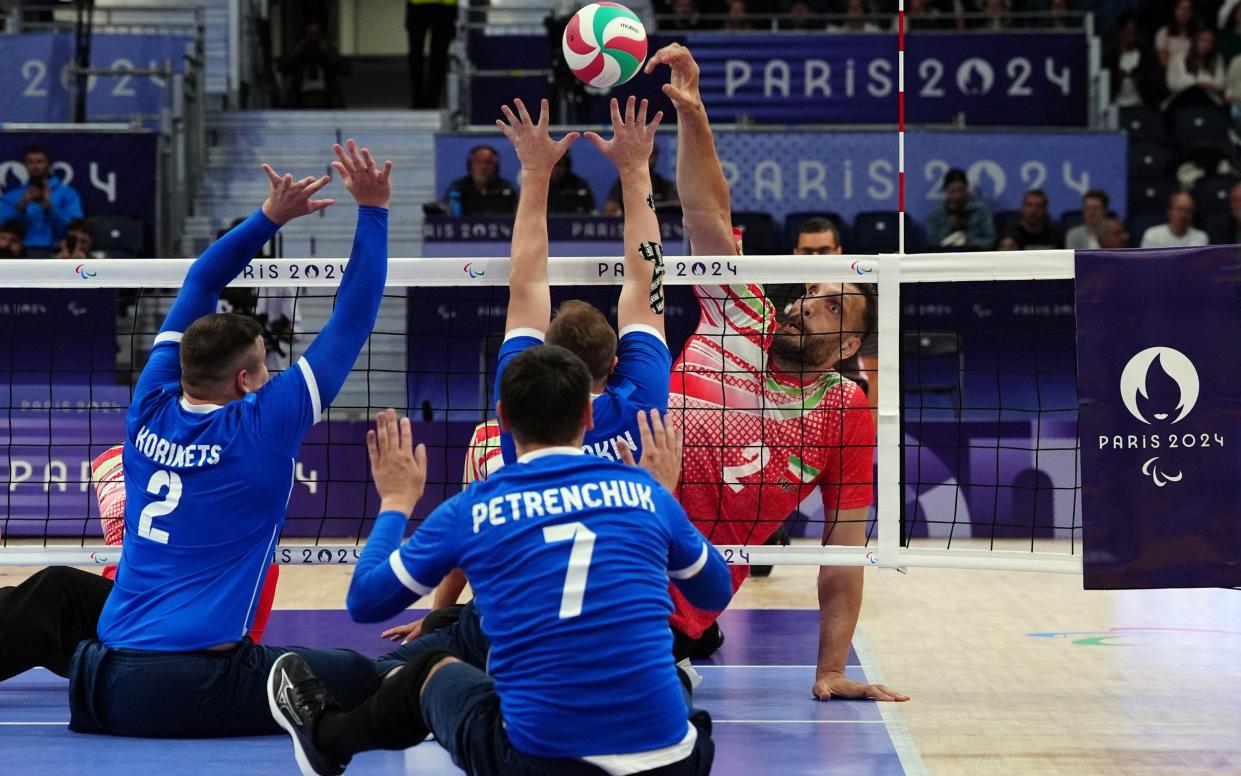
column 534, row 455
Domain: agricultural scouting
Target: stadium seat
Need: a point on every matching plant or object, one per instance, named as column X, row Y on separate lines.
column 1070, row 219
column 793, row 222
column 1211, row 195
column 1202, row 127
column 1149, row 161
column 1005, row 220
column 120, row 236
column 759, row 235
column 1150, row 196
column 1142, row 123
column 875, row 231
column 932, row 370
column 1138, row 223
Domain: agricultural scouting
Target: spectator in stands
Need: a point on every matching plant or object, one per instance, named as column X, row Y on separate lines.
column 1200, row 68
column 664, row 191
column 79, row 242
column 1232, row 89
column 926, row 15
column 1085, row 235
column 428, row 61
column 12, row 234
column 313, row 69
column 996, row 15
column 856, row 21
column 816, row 236
column 1229, row 42
column 685, row 16
column 962, row 221
column 1176, row 37
column 797, row 17
column 1058, row 15
column 45, row 204
column 1226, row 229
column 1034, row 228
column 736, row 14
column 1179, row 232
column 569, row 193
column 1137, row 76
column 482, row 190
column 1009, row 241
column 1114, row 235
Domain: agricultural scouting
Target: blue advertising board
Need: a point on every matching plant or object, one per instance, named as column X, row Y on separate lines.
column 987, row 79
column 853, row 172
column 113, row 172
column 36, row 87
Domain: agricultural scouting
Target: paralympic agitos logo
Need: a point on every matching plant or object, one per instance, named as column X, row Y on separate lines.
column 1160, row 388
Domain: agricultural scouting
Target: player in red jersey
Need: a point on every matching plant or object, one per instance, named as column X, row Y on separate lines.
column 766, row 417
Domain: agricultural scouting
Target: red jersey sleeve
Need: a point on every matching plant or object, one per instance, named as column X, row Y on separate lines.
column 850, row 483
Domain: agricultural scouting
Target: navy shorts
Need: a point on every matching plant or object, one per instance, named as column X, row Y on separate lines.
column 202, row 694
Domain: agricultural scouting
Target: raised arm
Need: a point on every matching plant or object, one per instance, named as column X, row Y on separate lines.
column 228, row 256
column 331, row 355
column 641, row 301
column 700, row 178
column 530, row 297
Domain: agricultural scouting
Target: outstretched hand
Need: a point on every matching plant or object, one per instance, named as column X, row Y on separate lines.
column 535, row 148
column 662, row 446
column 632, row 138
column 368, row 184
column 287, row 199
column 399, row 469
column 682, row 89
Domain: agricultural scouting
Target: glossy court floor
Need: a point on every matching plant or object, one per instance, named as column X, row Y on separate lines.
column 1009, row 673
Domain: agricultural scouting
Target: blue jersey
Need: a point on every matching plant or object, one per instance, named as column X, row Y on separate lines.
column 639, row 382
column 207, row 486
column 569, row 556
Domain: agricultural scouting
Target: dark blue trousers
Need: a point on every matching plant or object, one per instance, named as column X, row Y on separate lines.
column 462, row 709
column 197, row 694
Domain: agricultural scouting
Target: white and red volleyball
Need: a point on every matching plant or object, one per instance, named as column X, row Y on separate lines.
column 604, row 44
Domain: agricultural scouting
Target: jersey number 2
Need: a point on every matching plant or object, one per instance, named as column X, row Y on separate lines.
column 159, row 480
column 579, row 563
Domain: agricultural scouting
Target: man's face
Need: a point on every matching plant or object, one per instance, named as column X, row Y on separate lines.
column 1033, row 210
column 817, row 244
column 10, row 245
column 37, row 164
column 1114, row 235
column 483, row 166
column 1093, row 211
column 82, row 239
column 822, row 324
column 1180, row 214
column 956, row 194
column 1234, row 197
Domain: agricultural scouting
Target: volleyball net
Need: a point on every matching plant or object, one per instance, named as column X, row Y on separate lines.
column 971, row 384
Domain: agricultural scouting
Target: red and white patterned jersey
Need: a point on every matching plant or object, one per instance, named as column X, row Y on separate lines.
column 109, row 478
column 758, row 440
column 483, row 457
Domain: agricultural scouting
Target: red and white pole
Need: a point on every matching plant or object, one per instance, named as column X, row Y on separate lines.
column 900, row 126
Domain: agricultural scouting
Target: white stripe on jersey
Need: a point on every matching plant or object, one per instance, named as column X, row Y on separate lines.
column 167, row 336
column 692, row 569
column 312, row 387
column 402, row 573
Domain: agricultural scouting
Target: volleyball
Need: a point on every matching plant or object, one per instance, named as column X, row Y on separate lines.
column 604, row 44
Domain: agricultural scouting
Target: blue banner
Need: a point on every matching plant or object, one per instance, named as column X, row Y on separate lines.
column 999, row 79
column 853, row 172
column 36, row 87
column 112, row 172
column 1160, row 393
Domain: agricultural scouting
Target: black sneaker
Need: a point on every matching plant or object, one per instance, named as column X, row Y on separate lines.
column 297, row 700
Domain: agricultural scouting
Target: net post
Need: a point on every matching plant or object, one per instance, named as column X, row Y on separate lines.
column 888, row 512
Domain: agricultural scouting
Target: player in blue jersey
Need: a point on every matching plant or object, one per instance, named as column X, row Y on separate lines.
column 208, row 462
column 628, row 375
column 569, row 555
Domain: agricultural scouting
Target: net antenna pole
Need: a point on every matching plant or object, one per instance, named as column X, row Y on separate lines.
column 890, row 491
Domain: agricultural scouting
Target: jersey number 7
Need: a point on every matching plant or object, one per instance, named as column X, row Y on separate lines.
column 579, row 563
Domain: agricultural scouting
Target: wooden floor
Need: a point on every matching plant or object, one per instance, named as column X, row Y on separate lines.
column 1015, row 673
